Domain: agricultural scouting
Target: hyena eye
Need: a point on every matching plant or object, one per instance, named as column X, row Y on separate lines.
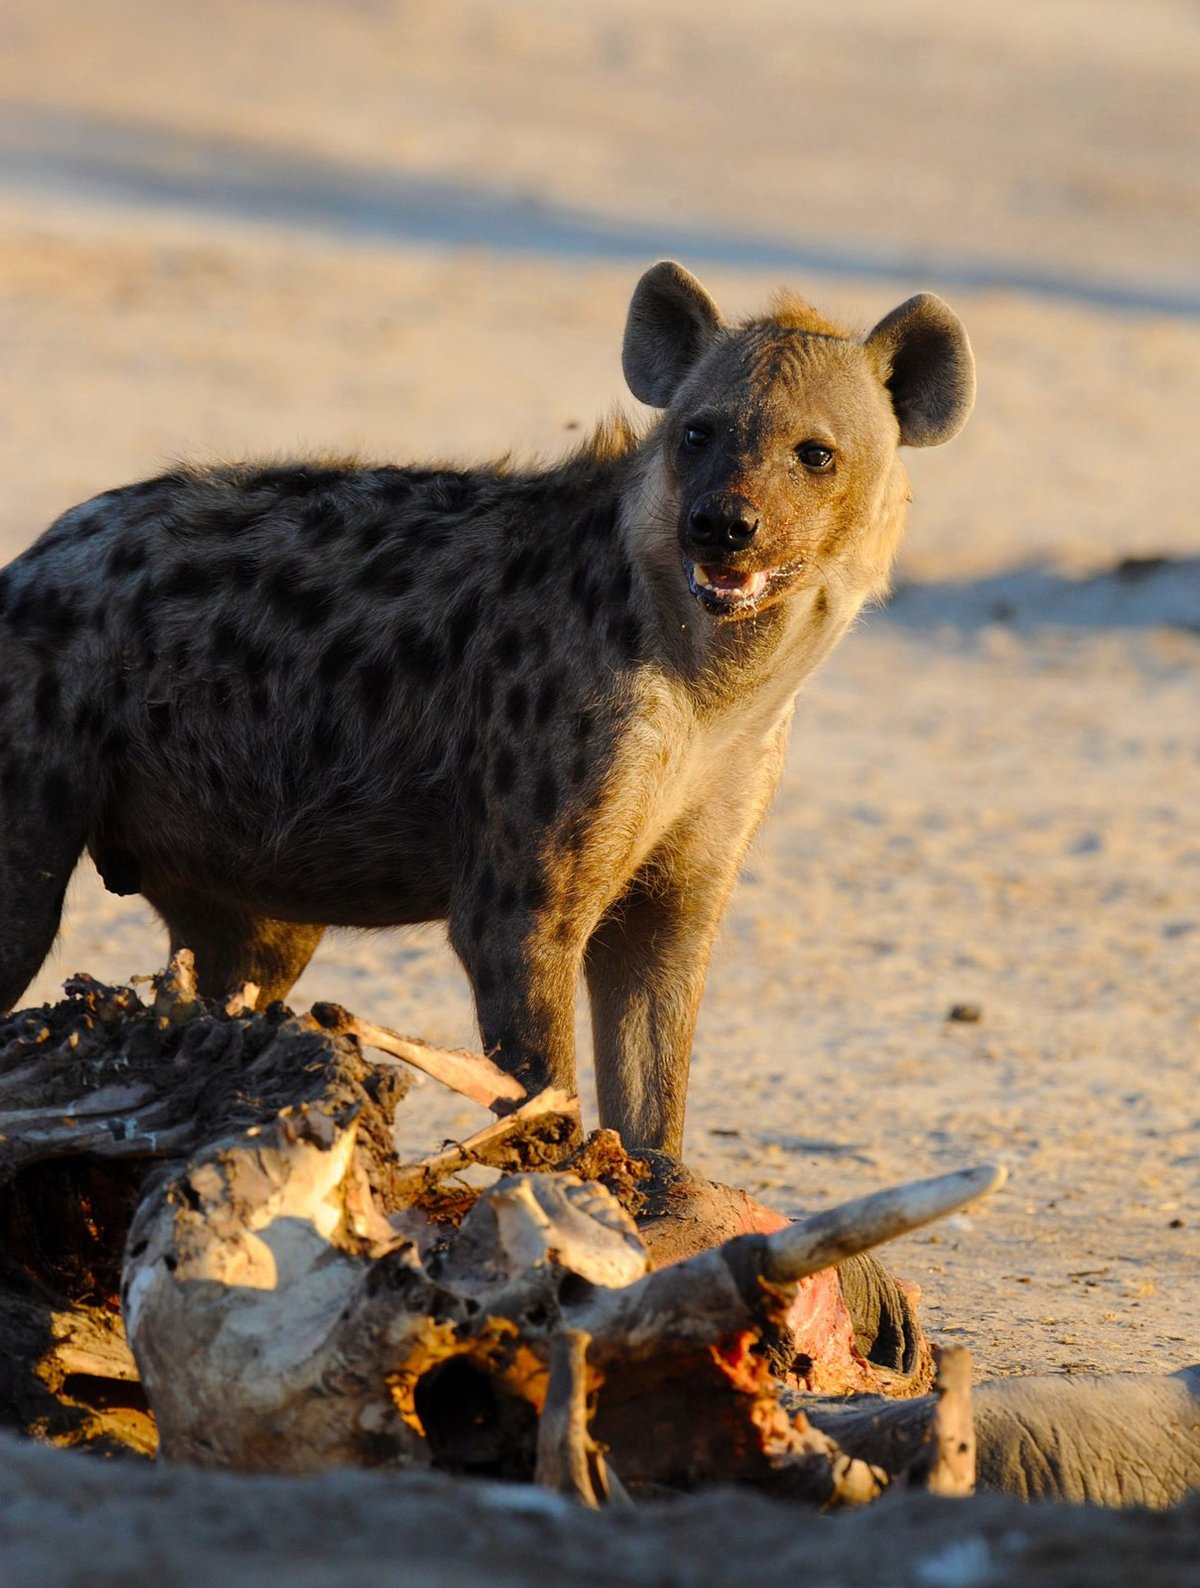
column 696, row 438
column 814, row 456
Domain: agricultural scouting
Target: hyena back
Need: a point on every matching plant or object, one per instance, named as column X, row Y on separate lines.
column 549, row 706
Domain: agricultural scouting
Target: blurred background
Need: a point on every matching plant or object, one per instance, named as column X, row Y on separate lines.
column 411, row 227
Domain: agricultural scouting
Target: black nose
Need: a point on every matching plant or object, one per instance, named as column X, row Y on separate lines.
column 725, row 523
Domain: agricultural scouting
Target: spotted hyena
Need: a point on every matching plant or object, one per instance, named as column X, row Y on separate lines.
column 546, row 705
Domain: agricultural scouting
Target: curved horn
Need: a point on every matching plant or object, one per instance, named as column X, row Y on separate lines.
column 829, row 1238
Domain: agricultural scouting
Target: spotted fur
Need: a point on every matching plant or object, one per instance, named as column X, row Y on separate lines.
column 277, row 698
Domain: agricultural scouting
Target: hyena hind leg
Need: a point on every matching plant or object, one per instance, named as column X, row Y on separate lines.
column 39, row 849
column 233, row 946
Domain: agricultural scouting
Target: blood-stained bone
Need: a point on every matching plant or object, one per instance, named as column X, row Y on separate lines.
column 278, row 1321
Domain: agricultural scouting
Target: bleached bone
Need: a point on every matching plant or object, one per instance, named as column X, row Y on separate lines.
column 569, row 1461
column 559, row 1218
column 486, row 1146
column 278, row 1324
column 472, row 1075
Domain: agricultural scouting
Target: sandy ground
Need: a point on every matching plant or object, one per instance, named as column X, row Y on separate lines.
column 413, row 228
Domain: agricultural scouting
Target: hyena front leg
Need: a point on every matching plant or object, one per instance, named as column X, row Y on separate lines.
column 646, row 965
column 523, row 965
column 233, row 945
column 647, row 962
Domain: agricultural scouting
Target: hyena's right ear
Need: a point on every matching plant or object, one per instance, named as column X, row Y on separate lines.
column 671, row 322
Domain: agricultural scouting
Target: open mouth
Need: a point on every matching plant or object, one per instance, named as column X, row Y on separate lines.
column 732, row 592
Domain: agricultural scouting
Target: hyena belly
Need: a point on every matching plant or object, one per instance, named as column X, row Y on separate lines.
column 342, row 704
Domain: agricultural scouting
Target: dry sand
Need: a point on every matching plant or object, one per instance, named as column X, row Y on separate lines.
column 412, row 229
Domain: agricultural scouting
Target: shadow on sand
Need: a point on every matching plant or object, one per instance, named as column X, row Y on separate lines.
column 102, row 161
column 1135, row 593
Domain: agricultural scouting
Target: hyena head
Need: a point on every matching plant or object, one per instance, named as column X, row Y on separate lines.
column 774, row 471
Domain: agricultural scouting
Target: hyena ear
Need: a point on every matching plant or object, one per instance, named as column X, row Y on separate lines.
column 926, row 363
column 671, row 322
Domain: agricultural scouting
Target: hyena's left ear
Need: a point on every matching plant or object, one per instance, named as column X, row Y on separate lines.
column 926, row 363
column 671, row 322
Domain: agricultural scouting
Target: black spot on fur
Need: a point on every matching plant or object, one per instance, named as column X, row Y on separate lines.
column 449, row 493
column 539, row 642
column 585, row 723
column 621, row 585
column 625, row 633
column 259, row 697
column 583, row 593
column 485, row 981
column 223, row 642
column 545, row 797
column 524, row 570
column 598, row 524
column 419, row 654
column 127, row 556
column 140, row 606
column 87, row 721
column 371, row 532
column 516, row 706
column 506, row 901
column 256, row 658
column 323, row 743
column 113, row 746
column 508, row 648
column 158, row 718
column 464, row 620
column 57, row 796
column 291, row 597
column 341, row 653
column 478, row 923
column 238, row 571
column 484, row 691
column 485, row 890
column 46, row 699
column 548, row 696
column 533, row 894
column 504, row 770
column 385, row 576
column 301, row 479
column 312, row 605
column 40, row 612
column 821, row 604
column 185, row 581
column 397, row 486
column 472, row 797
column 376, row 683
column 580, row 766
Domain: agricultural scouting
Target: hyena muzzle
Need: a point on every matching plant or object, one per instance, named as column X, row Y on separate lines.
column 548, row 706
